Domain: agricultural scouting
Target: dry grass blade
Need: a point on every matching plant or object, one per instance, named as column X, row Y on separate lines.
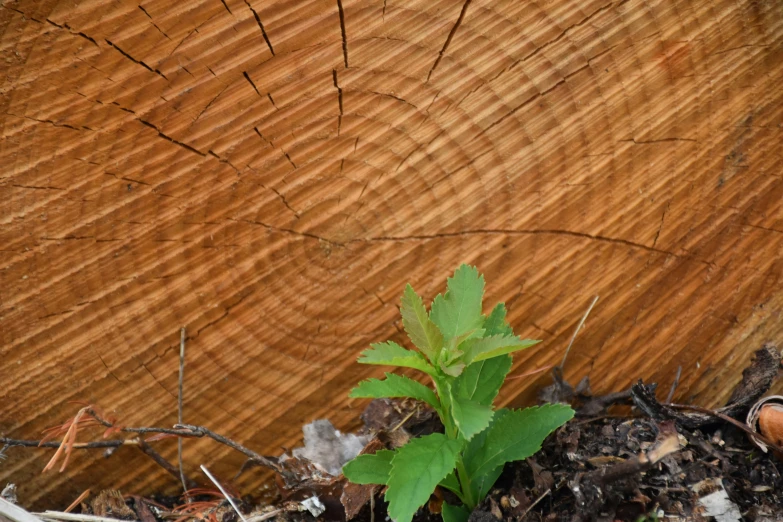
column 230, row 500
column 85, row 494
column 576, row 331
column 75, row 517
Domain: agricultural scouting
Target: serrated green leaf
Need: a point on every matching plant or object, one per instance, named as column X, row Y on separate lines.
column 395, row 386
column 417, row 468
column 496, row 323
column 481, row 484
column 392, row 354
column 451, row 483
column 454, row 513
column 459, row 310
column 454, row 369
column 421, row 330
column 469, row 416
column 370, row 469
column 489, row 347
column 481, row 381
column 513, row 435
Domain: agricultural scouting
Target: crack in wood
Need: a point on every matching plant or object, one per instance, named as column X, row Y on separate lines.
column 661, row 140
column 449, row 38
column 140, row 62
column 153, row 22
column 172, row 140
column 226, row 6
column 339, row 100
column 341, row 12
column 210, row 103
column 268, row 142
column 283, row 199
column 660, row 227
column 66, row 27
column 247, row 77
column 50, row 122
column 261, row 26
column 547, row 91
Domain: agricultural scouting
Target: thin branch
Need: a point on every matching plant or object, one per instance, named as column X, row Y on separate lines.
column 102, row 444
column 201, row 431
column 582, row 322
column 539, row 499
column 726, row 418
column 165, row 464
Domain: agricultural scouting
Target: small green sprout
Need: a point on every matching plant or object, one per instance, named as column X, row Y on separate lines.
column 466, row 354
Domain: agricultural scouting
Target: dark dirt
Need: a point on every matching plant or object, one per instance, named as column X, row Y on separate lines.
column 659, row 462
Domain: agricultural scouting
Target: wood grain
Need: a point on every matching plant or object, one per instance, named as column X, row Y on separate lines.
column 270, row 173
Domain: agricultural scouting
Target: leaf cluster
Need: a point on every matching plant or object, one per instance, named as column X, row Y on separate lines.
column 467, row 356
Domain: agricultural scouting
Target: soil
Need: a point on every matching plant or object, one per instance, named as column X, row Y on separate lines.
column 598, row 467
column 542, row 488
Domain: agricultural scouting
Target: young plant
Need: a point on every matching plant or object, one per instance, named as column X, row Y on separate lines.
column 466, row 354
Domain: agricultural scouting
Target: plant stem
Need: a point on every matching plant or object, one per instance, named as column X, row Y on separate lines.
column 464, row 481
column 451, row 432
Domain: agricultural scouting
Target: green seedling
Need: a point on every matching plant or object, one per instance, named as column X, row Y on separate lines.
column 466, row 354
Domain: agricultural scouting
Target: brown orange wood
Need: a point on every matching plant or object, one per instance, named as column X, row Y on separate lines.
column 270, row 174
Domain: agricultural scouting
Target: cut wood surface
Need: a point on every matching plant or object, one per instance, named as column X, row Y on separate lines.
column 270, row 174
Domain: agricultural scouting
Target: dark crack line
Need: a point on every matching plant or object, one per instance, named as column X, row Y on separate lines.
column 449, row 38
column 247, row 77
column 566, row 30
column 660, row 227
column 226, row 6
column 55, row 314
column 740, row 47
column 275, row 147
column 341, row 12
column 339, row 100
column 66, row 27
column 210, row 103
column 34, row 187
column 283, row 199
column 289, row 231
column 544, row 93
column 662, row 140
column 131, row 58
column 221, row 160
column 50, row 122
column 172, row 140
column 21, row 13
column 478, row 232
column 525, row 232
column 547, row 44
column 107, row 368
column 153, row 23
column 261, row 26
column 272, row 100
